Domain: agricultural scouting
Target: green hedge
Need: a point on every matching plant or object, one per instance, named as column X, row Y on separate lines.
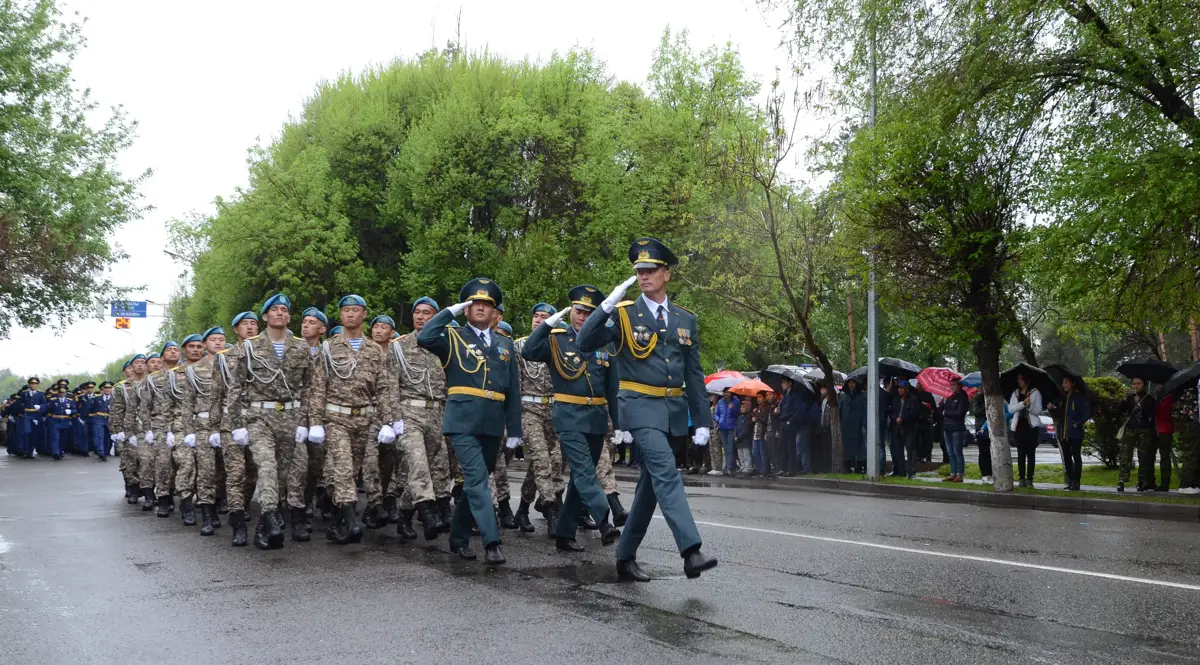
column 1100, row 435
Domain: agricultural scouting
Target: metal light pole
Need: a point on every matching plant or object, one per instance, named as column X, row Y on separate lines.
column 873, row 470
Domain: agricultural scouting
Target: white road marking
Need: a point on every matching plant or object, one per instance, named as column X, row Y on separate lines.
column 961, row 557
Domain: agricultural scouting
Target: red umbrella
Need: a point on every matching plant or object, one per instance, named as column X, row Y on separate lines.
column 938, row 380
column 723, row 374
column 750, row 388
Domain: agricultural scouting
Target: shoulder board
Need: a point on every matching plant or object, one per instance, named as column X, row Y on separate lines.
column 298, row 339
column 557, row 330
column 222, row 351
column 395, row 340
column 521, row 340
column 255, row 337
column 625, row 303
column 684, row 309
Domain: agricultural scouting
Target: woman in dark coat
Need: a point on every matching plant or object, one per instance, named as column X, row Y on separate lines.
column 852, row 408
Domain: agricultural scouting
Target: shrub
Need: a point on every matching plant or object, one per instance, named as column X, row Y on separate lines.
column 1100, row 435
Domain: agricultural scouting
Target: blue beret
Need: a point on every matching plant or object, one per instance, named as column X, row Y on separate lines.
column 337, row 330
column 545, row 307
column 453, row 324
column 193, row 338
column 127, row 364
column 277, row 299
column 426, row 300
column 395, row 334
column 316, row 314
column 152, row 356
column 501, row 308
column 139, row 356
column 215, row 330
column 505, row 328
column 352, row 300
column 243, row 316
column 383, row 318
column 166, row 346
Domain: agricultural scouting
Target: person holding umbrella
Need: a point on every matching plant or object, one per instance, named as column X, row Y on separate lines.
column 1137, row 434
column 1025, row 403
column 954, row 429
column 1070, row 416
column 908, row 416
column 852, row 411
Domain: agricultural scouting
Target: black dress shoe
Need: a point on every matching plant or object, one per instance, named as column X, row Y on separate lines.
column 697, row 562
column 492, row 555
column 586, row 521
column 567, row 545
column 608, row 533
column 630, row 571
column 465, row 553
column 618, row 511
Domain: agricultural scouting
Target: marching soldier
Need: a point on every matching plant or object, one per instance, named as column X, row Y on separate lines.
column 658, row 353
column 98, row 412
column 116, row 419
column 585, row 400
column 198, row 417
column 423, row 462
column 544, row 473
column 29, row 424
column 381, row 499
column 351, row 390
column 132, row 428
column 267, row 406
column 182, row 447
column 147, row 453
column 60, row 412
column 308, row 460
column 158, row 416
column 239, row 467
column 483, row 383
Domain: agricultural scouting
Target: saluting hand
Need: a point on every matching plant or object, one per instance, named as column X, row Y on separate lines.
column 458, row 309
column 556, row 317
column 615, row 297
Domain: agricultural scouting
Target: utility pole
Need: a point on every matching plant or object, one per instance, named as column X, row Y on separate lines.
column 873, row 470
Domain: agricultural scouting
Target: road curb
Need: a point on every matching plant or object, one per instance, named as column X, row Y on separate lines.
column 1174, row 512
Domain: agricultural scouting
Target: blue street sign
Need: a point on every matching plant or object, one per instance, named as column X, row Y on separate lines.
column 131, row 309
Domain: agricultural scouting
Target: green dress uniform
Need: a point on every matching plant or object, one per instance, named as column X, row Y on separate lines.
column 585, row 398
column 483, row 391
column 658, row 358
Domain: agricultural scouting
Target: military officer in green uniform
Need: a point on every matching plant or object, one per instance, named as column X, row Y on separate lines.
column 658, row 353
column 483, row 398
column 585, row 398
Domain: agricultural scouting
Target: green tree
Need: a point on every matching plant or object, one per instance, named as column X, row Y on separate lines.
column 60, row 192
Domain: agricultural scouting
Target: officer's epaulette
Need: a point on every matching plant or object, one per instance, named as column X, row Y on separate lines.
column 222, row 351
column 255, row 337
column 625, row 303
column 685, row 310
column 557, row 330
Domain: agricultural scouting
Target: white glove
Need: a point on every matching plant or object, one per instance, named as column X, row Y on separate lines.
column 458, row 309
column 133, row 442
column 626, row 437
column 301, row 434
column 512, row 442
column 701, row 437
column 316, row 434
column 35, row 422
column 615, row 297
column 556, row 317
column 119, row 437
column 214, row 439
column 398, row 428
column 241, row 436
column 618, row 435
column 149, row 437
column 170, row 440
column 386, row 435
column 190, row 440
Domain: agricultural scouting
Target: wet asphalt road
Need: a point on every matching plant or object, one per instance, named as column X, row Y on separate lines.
column 805, row 577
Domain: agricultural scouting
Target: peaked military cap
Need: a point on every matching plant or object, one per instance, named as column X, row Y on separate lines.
column 383, row 318
column 481, row 289
column 106, row 384
column 34, row 379
column 351, row 301
column 215, row 330
column 585, row 296
column 426, row 300
column 277, row 299
column 316, row 314
column 242, row 317
column 650, row 253
column 545, row 307
column 193, row 338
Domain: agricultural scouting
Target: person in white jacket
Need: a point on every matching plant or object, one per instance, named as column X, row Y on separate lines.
column 1025, row 404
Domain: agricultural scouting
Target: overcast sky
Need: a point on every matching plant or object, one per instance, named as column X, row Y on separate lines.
column 206, row 81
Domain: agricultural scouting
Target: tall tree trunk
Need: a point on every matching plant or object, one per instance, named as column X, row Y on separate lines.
column 1195, row 338
column 1162, row 347
column 987, row 353
column 850, row 322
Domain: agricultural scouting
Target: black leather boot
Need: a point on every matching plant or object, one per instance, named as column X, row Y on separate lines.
column 170, row 504
column 353, row 527
column 147, row 498
column 696, row 562
column 630, row 571
column 522, row 518
column 206, row 520
column 567, row 545
column 324, row 505
column 505, row 515
column 237, row 521
column 391, row 511
column 428, row 519
column 404, row 527
column 135, row 491
column 222, row 506
column 550, row 510
column 608, row 533
column 187, row 512
column 444, row 514
column 371, row 517
column 337, row 531
column 163, row 510
column 492, row 555
column 618, row 511
column 260, row 532
column 216, row 516
column 274, row 529
column 299, row 526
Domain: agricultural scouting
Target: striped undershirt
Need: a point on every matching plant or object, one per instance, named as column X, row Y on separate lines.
column 355, row 343
column 279, row 346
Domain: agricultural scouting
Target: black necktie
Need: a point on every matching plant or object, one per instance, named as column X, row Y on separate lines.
column 662, row 323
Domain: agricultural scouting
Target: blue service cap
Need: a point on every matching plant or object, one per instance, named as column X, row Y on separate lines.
column 482, row 289
column 383, row 318
column 426, row 300
column 352, row 300
column 215, row 330
column 337, row 330
column 545, row 307
column 651, row 253
column 585, row 296
column 166, row 346
column 277, row 299
column 316, row 314
column 242, row 317
column 194, row 337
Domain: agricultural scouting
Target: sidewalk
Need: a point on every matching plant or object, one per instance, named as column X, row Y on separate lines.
column 1186, row 509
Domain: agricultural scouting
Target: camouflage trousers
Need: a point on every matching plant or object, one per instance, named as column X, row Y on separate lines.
column 145, row 460
column 350, row 446
column 206, row 470
column 164, row 465
column 604, row 467
column 544, row 474
column 272, row 442
column 456, row 474
column 421, row 439
column 308, row 466
column 128, row 461
column 240, row 473
column 184, row 460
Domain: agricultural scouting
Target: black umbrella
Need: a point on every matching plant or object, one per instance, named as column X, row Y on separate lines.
column 899, row 369
column 859, row 375
column 1059, row 372
column 1148, row 369
column 1035, row 376
column 774, row 375
column 1184, row 378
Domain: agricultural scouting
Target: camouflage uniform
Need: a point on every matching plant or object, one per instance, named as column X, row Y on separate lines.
column 116, row 416
column 350, row 391
column 308, row 464
column 154, row 412
column 498, row 480
column 136, row 425
column 604, row 467
column 421, row 390
column 544, row 473
column 268, row 398
column 240, row 471
column 198, row 416
column 183, row 457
